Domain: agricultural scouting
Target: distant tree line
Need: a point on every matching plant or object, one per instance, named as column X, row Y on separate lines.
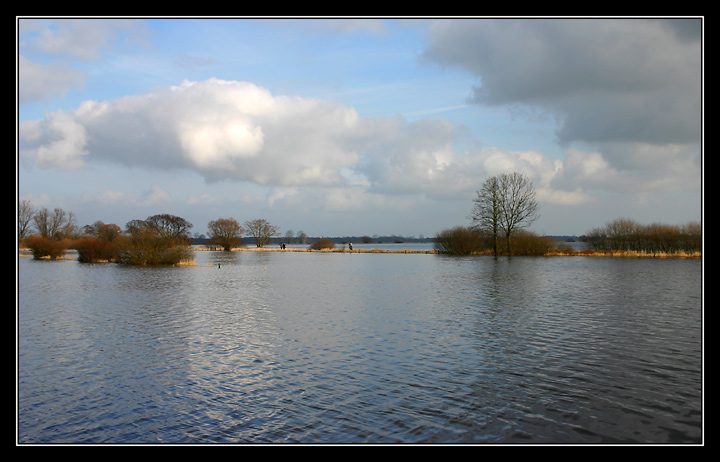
column 503, row 208
column 623, row 234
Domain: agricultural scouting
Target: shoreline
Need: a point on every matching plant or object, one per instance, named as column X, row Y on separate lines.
column 26, row 253
column 558, row 253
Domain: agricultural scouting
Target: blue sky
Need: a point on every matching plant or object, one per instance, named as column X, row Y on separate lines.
column 352, row 126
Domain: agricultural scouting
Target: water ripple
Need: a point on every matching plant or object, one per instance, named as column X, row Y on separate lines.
column 360, row 348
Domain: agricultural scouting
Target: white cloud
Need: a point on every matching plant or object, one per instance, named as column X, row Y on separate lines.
column 40, row 81
column 560, row 197
column 52, row 51
column 155, row 195
column 222, row 129
column 83, row 39
column 358, row 199
column 58, row 141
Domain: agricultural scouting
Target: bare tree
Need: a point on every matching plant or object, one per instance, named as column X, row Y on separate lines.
column 50, row 224
column 102, row 231
column 518, row 204
column 486, row 211
column 226, row 232
column 261, row 230
column 70, row 228
column 505, row 203
column 170, row 225
column 26, row 211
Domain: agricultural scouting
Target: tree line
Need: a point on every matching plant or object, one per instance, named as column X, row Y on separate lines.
column 161, row 239
column 627, row 235
column 504, row 207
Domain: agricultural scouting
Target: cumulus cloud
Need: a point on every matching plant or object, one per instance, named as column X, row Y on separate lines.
column 222, row 129
column 58, row 140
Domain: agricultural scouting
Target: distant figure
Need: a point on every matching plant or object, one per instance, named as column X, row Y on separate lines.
column 282, row 246
column 351, row 246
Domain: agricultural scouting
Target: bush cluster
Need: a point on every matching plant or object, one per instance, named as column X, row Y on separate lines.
column 92, row 249
column 158, row 240
column 149, row 248
column 46, row 247
column 460, row 240
column 321, row 244
column 465, row 240
column 624, row 234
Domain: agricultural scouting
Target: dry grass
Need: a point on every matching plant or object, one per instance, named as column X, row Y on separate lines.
column 552, row 253
column 637, row 254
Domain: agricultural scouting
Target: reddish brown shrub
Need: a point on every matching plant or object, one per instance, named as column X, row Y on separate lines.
column 92, row 249
column 322, row 244
column 45, row 247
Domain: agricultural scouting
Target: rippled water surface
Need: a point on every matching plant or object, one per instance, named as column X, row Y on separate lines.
column 271, row 347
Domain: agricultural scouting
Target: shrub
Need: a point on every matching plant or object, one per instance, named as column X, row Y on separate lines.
column 45, row 247
column 528, row 243
column 322, row 244
column 92, row 249
column 460, row 240
column 150, row 248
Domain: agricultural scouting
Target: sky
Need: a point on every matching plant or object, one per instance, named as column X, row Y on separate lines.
column 360, row 126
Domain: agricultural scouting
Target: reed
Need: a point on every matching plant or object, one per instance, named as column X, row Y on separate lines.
column 638, row 254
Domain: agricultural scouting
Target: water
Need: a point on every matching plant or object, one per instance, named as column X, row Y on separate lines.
column 270, row 347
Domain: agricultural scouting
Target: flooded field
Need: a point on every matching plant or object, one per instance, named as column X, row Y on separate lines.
column 335, row 348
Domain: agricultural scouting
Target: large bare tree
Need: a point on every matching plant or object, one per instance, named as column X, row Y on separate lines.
column 505, row 203
column 519, row 205
column 486, row 211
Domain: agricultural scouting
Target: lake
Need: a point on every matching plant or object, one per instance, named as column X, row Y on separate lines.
column 348, row 348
